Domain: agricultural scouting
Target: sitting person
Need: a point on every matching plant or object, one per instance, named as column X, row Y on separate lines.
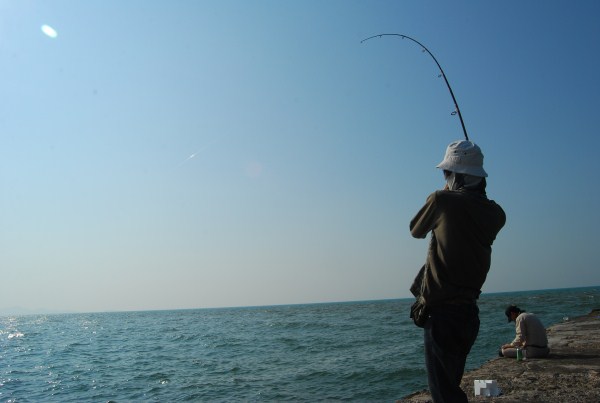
column 531, row 335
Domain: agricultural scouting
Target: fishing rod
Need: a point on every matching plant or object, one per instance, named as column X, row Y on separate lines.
column 441, row 70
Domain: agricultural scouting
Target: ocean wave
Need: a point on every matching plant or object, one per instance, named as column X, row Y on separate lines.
column 360, row 351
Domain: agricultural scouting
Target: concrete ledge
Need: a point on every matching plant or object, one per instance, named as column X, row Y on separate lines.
column 570, row 374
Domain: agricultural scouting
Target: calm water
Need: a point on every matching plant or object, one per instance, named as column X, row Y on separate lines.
column 363, row 351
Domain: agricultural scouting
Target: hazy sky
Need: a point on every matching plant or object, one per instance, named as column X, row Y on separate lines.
column 189, row 154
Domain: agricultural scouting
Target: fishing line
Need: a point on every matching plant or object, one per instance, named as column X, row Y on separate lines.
column 457, row 109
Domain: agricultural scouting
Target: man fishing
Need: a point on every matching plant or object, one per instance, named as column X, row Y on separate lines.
column 530, row 335
column 463, row 223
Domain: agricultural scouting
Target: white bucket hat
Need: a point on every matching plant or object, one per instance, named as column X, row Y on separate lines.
column 463, row 157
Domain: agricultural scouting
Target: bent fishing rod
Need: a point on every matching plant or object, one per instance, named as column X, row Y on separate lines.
column 457, row 111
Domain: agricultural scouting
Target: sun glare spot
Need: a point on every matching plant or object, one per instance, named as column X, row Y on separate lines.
column 49, row 31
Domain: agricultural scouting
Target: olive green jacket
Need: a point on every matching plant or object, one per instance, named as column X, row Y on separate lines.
column 464, row 224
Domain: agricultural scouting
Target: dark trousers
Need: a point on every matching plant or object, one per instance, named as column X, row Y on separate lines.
column 450, row 333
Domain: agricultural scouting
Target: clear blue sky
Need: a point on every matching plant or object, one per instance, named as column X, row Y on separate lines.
column 190, row 154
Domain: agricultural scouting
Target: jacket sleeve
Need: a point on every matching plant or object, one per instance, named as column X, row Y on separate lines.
column 520, row 329
column 425, row 219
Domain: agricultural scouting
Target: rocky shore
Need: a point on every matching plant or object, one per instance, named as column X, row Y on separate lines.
column 570, row 374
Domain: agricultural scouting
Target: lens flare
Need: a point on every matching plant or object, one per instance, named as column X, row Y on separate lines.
column 49, row 31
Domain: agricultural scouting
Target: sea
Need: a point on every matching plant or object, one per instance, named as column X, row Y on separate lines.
column 349, row 351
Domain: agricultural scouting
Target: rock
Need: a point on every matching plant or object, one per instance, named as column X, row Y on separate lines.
column 570, row 374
